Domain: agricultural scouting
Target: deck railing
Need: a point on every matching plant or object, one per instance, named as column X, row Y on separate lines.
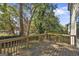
column 12, row 46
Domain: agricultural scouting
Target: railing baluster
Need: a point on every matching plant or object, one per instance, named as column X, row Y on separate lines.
column 8, row 48
column 15, row 47
column 20, row 43
column 4, row 47
column 18, row 47
column 28, row 41
column 0, row 48
column 11, row 47
column 24, row 42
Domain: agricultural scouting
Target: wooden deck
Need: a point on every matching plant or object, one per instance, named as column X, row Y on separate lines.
column 49, row 49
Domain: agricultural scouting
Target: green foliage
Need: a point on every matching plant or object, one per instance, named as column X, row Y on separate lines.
column 42, row 16
column 44, row 19
column 7, row 15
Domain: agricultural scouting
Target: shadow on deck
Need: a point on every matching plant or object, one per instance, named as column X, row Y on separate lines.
column 48, row 48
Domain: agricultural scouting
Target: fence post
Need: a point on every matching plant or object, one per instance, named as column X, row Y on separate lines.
column 73, row 40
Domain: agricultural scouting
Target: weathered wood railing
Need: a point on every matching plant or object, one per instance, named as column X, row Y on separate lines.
column 53, row 37
column 11, row 46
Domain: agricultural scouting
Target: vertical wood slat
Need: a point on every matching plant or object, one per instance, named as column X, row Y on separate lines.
column 54, row 38
column 18, row 46
column 4, row 47
column 24, row 43
column 0, row 48
column 8, row 48
column 15, row 47
column 11, row 47
column 28, row 42
column 19, row 43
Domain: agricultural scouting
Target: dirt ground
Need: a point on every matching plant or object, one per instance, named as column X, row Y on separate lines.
column 48, row 48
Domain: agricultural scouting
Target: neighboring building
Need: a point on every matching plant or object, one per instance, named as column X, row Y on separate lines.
column 77, row 30
column 74, row 13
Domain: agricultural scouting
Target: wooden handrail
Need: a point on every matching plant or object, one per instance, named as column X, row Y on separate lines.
column 13, row 43
column 12, row 39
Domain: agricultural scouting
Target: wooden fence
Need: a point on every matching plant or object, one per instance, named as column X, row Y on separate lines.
column 11, row 46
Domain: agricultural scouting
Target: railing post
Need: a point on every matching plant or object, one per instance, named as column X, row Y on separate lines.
column 73, row 40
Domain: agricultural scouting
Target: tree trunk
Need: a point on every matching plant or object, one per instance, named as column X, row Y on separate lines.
column 21, row 20
column 29, row 21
